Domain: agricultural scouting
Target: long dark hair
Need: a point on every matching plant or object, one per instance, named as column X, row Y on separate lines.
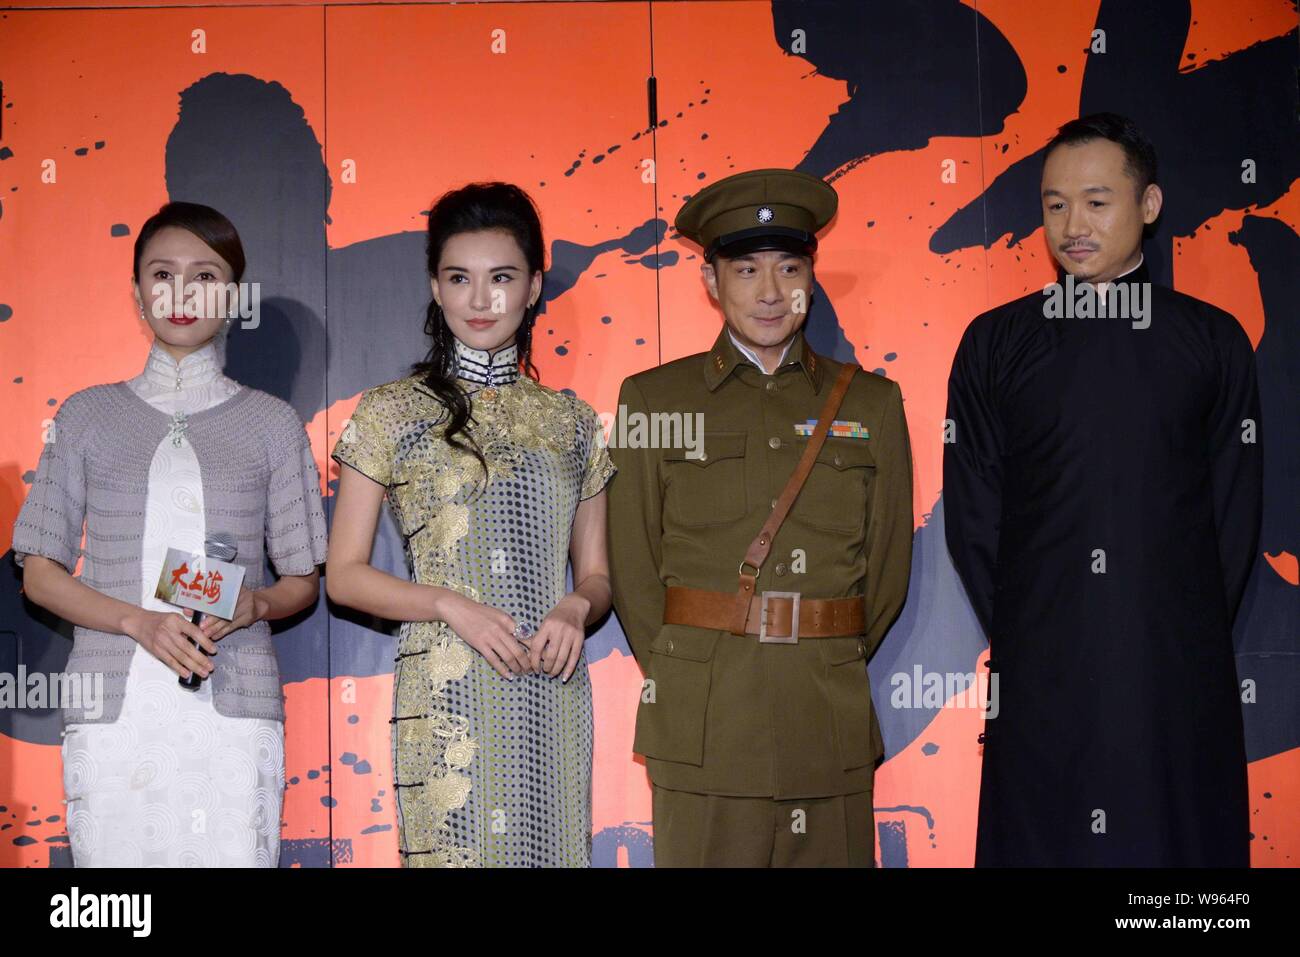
column 473, row 208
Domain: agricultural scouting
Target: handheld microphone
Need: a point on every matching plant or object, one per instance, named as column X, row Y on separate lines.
column 221, row 546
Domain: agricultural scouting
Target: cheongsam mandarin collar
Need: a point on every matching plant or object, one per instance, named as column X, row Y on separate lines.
column 1139, row 273
column 200, row 367
column 488, row 370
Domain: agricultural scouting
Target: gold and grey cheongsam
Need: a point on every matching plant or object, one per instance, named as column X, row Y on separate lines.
column 487, row 771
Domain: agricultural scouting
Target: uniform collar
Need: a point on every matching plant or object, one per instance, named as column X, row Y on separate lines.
column 476, row 365
column 724, row 357
column 753, row 356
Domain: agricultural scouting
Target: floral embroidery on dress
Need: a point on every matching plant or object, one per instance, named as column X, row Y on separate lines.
column 437, row 745
column 439, row 496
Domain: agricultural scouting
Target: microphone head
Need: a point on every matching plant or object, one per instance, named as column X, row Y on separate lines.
column 221, row 546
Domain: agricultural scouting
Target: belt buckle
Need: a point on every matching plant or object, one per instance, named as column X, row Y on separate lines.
column 793, row 638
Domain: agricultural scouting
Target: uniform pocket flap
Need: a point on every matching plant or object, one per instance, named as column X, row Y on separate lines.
column 693, row 644
column 846, row 454
column 716, row 447
column 842, row 649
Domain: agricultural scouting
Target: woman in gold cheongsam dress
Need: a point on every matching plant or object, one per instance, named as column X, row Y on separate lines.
column 495, row 482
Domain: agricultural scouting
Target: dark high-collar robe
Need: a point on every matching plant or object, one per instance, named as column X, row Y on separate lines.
column 1102, row 489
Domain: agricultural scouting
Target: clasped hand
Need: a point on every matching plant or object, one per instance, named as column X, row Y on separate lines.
column 553, row 651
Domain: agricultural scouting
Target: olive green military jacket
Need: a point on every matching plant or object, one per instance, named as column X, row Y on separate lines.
column 722, row 713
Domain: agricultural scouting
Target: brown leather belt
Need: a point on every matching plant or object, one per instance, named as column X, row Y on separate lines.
column 779, row 617
column 774, row 616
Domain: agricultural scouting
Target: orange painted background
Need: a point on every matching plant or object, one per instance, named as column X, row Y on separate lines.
column 416, row 99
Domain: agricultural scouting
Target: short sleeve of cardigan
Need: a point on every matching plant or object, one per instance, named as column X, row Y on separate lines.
column 295, row 519
column 51, row 519
column 368, row 440
column 600, row 467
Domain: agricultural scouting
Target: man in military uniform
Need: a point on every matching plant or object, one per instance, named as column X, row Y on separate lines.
column 756, row 719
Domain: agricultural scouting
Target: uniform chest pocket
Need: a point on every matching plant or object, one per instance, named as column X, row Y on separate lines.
column 835, row 495
column 708, row 489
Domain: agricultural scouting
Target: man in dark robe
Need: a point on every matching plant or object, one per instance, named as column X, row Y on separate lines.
column 1102, row 488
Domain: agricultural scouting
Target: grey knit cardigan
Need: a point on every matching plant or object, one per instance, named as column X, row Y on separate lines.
column 260, row 484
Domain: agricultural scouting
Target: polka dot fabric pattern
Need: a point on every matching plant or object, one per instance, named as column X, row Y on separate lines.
column 489, row 771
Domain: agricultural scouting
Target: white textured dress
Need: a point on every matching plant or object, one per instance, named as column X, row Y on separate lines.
column 173, row 783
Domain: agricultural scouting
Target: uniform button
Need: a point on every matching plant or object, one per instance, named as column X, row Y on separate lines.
column 780, row 568
column 669, row 646
column 704, row 457
column 774, row 503
column 838, row 460
column 771, row 386
column 774, row 442
column 862, row 647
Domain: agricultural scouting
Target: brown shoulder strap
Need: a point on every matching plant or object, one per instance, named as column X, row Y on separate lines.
column 760, row 546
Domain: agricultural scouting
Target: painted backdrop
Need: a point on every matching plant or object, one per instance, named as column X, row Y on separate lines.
column 325, row 132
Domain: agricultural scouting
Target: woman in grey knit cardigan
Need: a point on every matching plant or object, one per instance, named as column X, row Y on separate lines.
column 156, row 774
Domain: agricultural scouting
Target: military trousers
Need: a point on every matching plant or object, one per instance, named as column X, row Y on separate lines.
column 712, row 830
